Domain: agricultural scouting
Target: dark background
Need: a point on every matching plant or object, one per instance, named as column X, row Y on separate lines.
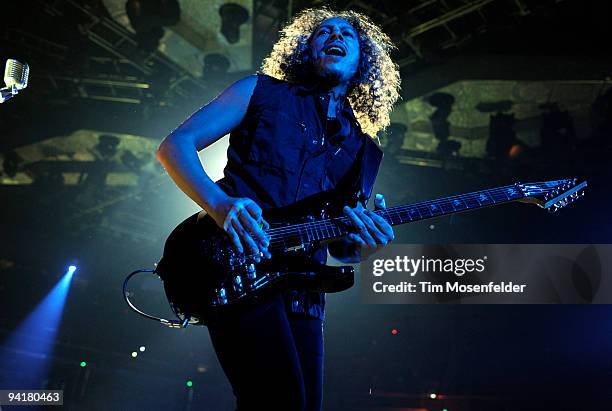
column 475, row 357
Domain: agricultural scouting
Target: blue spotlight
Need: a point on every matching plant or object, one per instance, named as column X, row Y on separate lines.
column 27, row 352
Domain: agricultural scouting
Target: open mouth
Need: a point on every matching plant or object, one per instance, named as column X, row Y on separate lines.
column 335, row 50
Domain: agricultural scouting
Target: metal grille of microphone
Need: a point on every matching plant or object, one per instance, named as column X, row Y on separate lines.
column 16, row 74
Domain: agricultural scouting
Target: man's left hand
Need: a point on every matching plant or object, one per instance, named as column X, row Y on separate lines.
column 372, row 231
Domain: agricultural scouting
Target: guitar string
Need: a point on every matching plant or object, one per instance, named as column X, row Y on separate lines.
column 446, row 200
column 332, row 228
column 330, row 225
column 495, row 191
column 281, row 234
column 395, row 211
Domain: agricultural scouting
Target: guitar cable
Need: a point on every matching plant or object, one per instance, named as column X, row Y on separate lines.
column 180, row 323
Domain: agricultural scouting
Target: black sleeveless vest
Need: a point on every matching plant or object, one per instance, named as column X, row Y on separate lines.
column 282, row 152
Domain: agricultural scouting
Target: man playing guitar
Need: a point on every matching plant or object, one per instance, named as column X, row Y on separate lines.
column 305, row 125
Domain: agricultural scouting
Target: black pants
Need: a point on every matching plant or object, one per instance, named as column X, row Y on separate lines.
column 273, row 359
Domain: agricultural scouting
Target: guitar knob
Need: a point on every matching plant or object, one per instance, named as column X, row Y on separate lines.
column 250, row 271
column 236, row 259
column 237, row 283
column 221, row 296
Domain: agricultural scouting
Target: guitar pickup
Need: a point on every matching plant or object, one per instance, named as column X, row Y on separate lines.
column 296, row 248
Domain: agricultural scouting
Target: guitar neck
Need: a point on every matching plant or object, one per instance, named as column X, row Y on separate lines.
column 337, row 227
column 448, row 205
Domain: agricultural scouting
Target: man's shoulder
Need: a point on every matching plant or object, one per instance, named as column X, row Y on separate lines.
column 272, row 93
column 263, row 78
column 275, row 84
column 249, row 84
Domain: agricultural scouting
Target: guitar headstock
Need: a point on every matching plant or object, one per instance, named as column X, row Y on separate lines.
column 552, row 195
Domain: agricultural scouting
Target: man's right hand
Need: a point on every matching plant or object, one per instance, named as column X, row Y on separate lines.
column 241, row 219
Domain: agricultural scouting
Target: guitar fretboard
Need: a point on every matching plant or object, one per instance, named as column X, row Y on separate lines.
column 339, row 226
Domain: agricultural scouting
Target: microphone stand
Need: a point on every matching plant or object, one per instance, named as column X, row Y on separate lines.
column 8, row 92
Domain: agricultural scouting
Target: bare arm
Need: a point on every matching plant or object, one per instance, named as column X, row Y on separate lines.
column 178, row 154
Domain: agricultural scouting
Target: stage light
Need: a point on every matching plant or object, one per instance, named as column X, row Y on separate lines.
column 30, row 346
column 433, row 396
column 142, row 348
column 502, row 135
column 134, row 354
column 394, row 331
column 443, row 102
column 133, row 163
column 12, row 163
column 148, row 17
column 83, row 364
column 515, row 151
column 444, row 409
column 215, row 67
column 72, row 269
column 189, row 383
column 232, row 17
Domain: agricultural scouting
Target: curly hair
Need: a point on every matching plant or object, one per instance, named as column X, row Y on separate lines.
column 375, row 87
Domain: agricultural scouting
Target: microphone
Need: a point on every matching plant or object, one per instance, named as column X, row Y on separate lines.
column 15, row 78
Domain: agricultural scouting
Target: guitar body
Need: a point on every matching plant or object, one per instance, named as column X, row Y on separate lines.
column 203, row 275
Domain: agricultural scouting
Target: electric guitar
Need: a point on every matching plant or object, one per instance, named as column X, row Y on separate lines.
column 203, row 274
